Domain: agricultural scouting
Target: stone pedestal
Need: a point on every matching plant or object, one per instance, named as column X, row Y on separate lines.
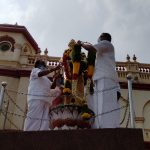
column 98, row 139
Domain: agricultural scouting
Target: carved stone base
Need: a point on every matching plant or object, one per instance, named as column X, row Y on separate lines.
column 70, row 117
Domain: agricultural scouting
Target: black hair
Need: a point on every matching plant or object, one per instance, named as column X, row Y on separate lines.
column 105, row 36
column 39, row 63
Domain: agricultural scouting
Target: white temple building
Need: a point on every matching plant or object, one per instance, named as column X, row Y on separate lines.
column 18, row 52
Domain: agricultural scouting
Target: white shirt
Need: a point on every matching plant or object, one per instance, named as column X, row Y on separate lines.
column 39, row 87
column 105, row 61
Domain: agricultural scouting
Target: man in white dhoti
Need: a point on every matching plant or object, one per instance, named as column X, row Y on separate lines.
column 39, row 98
column 104, row 99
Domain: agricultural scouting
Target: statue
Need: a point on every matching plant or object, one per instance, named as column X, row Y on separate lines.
column 71, row 110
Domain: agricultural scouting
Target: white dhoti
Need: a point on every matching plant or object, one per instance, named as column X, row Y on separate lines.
column 103, row 102
column 37, row 116
column 38, row 111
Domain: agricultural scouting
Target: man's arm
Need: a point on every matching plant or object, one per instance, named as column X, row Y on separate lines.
column 88, row 47
column 56, row 80
column 46, row 72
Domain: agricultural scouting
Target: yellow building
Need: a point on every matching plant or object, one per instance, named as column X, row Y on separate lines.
column 18, row 52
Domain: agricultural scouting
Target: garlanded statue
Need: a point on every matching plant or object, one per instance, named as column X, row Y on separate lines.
column 75, row 66
column 71, row 110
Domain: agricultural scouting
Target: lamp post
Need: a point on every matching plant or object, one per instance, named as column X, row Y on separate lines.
column 4, row 84
column 132, row 116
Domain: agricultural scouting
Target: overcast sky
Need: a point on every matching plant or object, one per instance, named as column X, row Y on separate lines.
column 53, row 23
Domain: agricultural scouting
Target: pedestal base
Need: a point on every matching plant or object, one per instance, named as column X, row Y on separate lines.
column 98, row 139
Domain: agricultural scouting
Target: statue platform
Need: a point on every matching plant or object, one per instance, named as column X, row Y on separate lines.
column 86, row 139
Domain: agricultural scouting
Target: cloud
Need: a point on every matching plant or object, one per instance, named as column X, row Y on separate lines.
column 54, row 22
column 10, row 11
column 128, row 22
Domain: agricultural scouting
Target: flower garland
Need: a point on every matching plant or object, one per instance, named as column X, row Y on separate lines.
column 65, row 63
column 70, row 122
column 91, row 56
column 76, row 59
column 75, row 65
column 91, row 63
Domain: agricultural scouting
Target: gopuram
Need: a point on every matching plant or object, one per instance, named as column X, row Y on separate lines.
column 70, row 110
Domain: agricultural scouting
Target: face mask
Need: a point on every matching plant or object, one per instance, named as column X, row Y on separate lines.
column 42, row 67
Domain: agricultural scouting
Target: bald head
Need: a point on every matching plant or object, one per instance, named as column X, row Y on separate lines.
column 105, row 36
column 39, row 63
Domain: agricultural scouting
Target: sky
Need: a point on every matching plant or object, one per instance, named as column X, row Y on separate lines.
column 53, row 23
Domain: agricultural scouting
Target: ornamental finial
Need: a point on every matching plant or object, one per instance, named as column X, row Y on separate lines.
column 46, row 51
column 128, row 57
column 134, row 58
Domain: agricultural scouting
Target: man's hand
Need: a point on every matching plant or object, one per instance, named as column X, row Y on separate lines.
column 79, row 43
column 57, row 75
column 57, row 67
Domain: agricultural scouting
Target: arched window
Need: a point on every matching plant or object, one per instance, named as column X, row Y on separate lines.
column 5, row 46
column 146, row 113
column 6, row 43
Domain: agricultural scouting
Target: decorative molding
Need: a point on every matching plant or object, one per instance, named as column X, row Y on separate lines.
column 7, row 38
column 18, row 46
column 26, row 49
column 139, row 119
column 20, row 29
column 135, row 86
column 16, row 73
column 147, row 130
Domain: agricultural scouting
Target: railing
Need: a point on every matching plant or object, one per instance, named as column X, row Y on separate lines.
column 121, row 67
column 140, row 71
column 144, row 68
column 51, row 61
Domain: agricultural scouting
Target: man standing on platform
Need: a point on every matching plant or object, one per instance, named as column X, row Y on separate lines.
column 106, row 84
column 40, row 96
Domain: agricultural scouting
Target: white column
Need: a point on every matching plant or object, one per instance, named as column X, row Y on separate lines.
column 4, row 84
column 132, row 115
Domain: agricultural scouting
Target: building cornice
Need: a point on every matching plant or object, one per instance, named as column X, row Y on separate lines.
column 20, row 29
column 135, row 86
column 139, row 119
column 15, row 73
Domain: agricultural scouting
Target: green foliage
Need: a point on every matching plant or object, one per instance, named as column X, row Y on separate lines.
column 76, row 53
column 67, row 84
column 91, row 58
column 83, row 66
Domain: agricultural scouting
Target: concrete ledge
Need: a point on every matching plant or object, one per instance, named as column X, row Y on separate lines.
column 97, row 139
